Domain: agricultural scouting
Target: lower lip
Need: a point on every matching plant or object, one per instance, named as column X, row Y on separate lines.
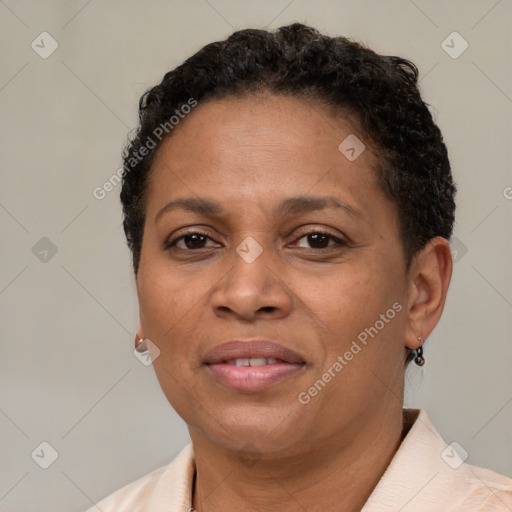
column 253, row 378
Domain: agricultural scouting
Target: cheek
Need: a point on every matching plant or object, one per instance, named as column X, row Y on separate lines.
column 364, row 303
column 166, row 294
column 167, row 305
column 172, row 305
column 343, row 298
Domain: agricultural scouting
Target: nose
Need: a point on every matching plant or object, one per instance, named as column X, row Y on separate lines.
column 252, row 290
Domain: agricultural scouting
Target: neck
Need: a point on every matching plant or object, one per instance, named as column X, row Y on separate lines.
column 339, row 476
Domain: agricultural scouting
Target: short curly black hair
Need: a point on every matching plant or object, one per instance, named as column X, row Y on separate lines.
column 297, row 60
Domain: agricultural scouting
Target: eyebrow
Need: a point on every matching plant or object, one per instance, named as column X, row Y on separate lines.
column 290, row 206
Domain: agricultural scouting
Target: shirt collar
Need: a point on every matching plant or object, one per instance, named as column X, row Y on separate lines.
column 411, row 476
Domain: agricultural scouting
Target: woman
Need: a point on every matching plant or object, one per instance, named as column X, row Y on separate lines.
column 288, row 202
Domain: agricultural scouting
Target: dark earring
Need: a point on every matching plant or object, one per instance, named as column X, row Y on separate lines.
column 418, row 353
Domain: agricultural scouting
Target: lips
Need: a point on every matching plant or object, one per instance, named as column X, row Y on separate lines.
column 252, row 365
column 233, row 350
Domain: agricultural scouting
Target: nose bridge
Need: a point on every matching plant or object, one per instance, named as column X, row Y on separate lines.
column 252, row 272
column 253, row 283
column 249, row 250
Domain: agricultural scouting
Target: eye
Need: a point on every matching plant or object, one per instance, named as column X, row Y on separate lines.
column 197, row 240
column 190, row 241
column 320, row 240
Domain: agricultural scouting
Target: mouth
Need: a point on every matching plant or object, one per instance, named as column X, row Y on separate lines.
column 253, row 361
column 252, row 365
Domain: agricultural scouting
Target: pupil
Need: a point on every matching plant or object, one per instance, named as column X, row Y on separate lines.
column 195, row 240
column 318, row 239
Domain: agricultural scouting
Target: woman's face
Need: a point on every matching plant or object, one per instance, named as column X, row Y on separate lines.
column 297, row 245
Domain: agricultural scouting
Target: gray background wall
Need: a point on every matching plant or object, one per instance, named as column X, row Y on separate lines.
column 68, row 374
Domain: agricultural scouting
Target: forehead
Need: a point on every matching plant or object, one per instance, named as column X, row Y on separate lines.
column 237, row 141
column 267, row 119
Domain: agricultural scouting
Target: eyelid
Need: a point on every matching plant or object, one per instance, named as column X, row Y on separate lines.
column 309, row 229
column 193, row 231
column 339, row 241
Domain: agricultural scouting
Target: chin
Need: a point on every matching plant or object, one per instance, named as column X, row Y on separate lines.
column 243, row 429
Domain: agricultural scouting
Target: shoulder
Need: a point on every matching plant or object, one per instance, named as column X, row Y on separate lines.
column 459, row 485
column 133, row 496
column 426, row 474
column 484, row 490
column 167, row 485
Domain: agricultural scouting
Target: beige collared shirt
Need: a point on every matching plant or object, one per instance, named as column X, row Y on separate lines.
column 425, row 475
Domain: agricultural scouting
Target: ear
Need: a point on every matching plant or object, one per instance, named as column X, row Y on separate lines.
column 140, row 342
column 429, row 279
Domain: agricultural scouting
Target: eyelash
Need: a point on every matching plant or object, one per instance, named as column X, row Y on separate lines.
column 338, row 242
